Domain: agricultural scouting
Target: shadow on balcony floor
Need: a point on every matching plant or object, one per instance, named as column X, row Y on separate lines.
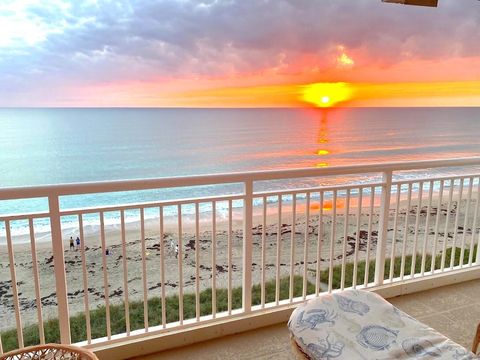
column 452, row 310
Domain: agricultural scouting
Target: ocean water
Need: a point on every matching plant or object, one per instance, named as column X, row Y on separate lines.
column 55, row 146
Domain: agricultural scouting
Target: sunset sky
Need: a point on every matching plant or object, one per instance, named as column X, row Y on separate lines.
column 239, row 53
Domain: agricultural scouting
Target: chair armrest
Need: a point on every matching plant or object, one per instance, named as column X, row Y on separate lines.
column 476, row 340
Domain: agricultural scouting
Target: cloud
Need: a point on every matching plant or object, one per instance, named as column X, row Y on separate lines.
column 80, row 43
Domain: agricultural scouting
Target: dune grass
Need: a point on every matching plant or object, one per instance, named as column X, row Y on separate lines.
column 136, row 309
column 361, row 268
column 136, row 313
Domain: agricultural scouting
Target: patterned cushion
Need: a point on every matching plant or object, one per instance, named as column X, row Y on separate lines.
column 355, row 324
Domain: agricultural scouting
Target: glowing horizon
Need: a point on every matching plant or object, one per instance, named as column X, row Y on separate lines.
column 324, row 95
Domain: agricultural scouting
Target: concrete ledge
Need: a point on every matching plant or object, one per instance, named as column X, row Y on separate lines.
column 428, row 282
column 178, row 338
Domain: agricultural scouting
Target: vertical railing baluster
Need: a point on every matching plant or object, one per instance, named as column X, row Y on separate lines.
column 447, row 223
column 405, row 231
column 465, row 223
column 85, row 279
column 264, row 225
column 197, row 261
column 474, row 229
column 162, row 268
column 105, row 275
column 332, row 240
column 229, row 250
column 369, row 236
column 305, row 245
column 437, row 223
column 415, row 237
column 214, row 259
column 13, row 277
column 477, row 260
column 319, row 244
column 455, row 229
column 427, row 227
column 383, row 227
column 345, row 238
column 180, row 264
column 59, row 269
column 279, row 243
column 394, row 235
column 357, row 238
column 36, row 279
column 144, row 269
column 125, row 271
column 247, row 247
column 292, row 246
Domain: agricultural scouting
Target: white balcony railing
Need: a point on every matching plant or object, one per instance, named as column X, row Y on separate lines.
column 273, row 241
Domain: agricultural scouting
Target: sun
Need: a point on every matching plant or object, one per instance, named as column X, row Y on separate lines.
column 326, row 94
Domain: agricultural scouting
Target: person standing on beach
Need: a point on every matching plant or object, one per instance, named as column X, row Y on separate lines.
column 78, row 242
column 72, row 246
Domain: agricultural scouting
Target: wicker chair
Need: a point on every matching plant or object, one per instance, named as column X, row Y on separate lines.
column 476, row 340
column 50, row 352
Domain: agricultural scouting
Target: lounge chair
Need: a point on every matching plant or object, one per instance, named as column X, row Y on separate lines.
column 356, row 324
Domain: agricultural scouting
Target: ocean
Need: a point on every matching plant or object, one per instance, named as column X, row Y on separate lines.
column 57, row 146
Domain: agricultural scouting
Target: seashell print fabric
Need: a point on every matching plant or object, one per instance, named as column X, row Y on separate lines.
column 356, row 324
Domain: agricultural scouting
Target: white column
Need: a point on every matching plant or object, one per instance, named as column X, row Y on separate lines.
column 383, row 228
column 59, row 268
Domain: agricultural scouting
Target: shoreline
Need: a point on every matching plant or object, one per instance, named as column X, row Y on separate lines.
column 170, row 222
column 112, row 224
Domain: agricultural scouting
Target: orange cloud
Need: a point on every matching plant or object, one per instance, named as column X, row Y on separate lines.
column 343, row 60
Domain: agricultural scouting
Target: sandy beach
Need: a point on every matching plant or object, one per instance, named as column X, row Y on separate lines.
column 133, row 248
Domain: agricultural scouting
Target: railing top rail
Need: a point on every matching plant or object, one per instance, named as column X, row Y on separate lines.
column 214, row 179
